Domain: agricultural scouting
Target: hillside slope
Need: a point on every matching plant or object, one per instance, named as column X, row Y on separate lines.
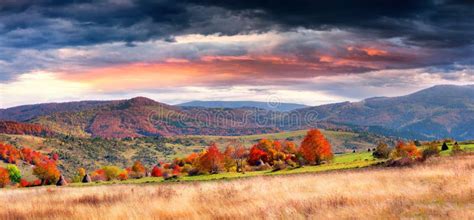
column 436, row 112
column 141, row 116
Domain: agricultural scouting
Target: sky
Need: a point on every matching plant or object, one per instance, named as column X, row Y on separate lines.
column 300, row 51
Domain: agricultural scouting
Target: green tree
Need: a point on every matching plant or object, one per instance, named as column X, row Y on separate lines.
column 14, row 172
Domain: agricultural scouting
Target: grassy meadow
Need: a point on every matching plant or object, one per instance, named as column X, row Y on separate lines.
column 441, row 188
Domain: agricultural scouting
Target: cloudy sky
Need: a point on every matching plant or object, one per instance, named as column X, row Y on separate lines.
column 302, row 51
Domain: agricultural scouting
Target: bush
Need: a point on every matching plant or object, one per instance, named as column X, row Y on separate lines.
column 156, row 172
column 279, row 165
column 430, row 151
column 456, row 149
column 111, row 172
column 405, row 150
column 168, row 175
column 186, row 168
column 382, row 151
column 193, row 172
column 123, row 176
column 24, row 183
column 98, row 175
column 4, row 177
column 291, row 163
column 138, row 170
column 14, row 172
column 80, row 173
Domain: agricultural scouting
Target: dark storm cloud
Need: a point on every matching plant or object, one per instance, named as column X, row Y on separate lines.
column 443, row 29
column 425, row 23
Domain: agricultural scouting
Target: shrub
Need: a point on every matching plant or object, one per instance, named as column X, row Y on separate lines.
column 80, row 173
column 167, row 175
column 111, row 172
column 98, row 175
column 278, row 165
column 382, row 151
column 431, row 150
column 123, row 176
column 456, row 149
column 402, row 149
column 193, row 172
column 156, row 172
column 291, row 163
column 4, row 177
column 186, row 168
column 138, row 170
column 14, row 172
column 24, row 183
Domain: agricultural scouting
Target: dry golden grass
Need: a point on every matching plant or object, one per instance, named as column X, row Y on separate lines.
column 442, row 188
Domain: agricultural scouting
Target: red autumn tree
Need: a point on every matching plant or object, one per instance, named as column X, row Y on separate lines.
column 156, row 172
column 256, row 155
column 211, row 161
column 315, row 148
column 4, row 177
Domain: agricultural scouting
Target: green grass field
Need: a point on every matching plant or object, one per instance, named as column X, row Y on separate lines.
column 464, row 146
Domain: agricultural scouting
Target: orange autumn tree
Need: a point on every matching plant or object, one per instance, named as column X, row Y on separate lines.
column 4, row 177
column 138, row 170
column 229, row 161
column 239, row 156
column 47, row 172
column 315, row 148
column 211, row 161
column 403, row 149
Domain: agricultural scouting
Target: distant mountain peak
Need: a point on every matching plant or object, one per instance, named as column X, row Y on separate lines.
column 140, row 101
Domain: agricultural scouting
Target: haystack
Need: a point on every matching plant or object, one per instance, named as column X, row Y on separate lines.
column 86, row 179
column 61, row 181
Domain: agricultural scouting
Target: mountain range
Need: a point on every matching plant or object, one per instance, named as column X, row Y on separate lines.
column 437, row 112
column 276, row 106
